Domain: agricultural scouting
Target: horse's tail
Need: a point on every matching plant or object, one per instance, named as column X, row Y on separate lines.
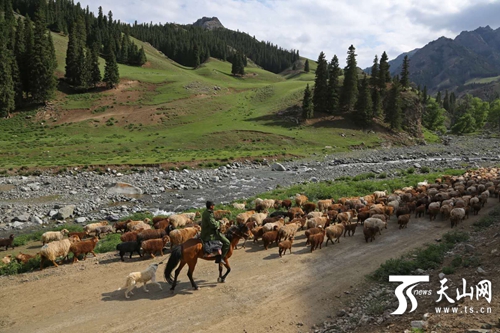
column 172, row 263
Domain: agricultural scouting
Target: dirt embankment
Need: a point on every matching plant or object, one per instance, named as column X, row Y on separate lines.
column 263, row 293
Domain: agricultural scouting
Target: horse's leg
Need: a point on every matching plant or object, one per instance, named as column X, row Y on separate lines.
column 177, row 271
column 192, row 265
column 222, row 279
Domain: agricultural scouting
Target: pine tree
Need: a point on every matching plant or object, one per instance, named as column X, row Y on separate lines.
column 438, row 98
column 306, row 66
column 72, row 57
column 196, row 56
column 384, row 76
column 24, row 62
column 374, row 73
column 433, row 115
column 124, row 56
column 333, row 86
column 7, row 92
column 307, row 105
column 350, row 87
column 405, row 73
column 320, row 97
column 111, row 74
column 393, row 112
column 446, row 101
column 376, row 103
column 141, row 57
column 93, row 66
column 364, row 107
column 424, row 95
column 43, row 81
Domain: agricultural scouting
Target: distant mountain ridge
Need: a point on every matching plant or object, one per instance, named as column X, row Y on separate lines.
column 450, row 63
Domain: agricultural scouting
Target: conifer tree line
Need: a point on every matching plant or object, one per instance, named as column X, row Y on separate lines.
column 189, row 45
column 362, row 97
column 27, row 59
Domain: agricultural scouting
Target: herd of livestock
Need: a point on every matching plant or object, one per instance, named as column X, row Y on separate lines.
column 450, row 198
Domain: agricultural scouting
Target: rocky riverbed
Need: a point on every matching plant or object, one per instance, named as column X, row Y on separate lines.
column 37, row 201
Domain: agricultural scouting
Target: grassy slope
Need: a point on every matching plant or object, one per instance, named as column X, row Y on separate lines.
column 177, row 115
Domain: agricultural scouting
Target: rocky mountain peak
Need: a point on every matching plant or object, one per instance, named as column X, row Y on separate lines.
column 208, row 23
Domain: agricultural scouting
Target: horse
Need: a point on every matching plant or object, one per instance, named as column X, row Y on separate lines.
column 189, row 252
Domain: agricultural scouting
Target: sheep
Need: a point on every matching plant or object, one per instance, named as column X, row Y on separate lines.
column 141, row 225
column 277, row 203
column 80, row 235
column 456, row 215
column 346, row 216
column 370, row 232
column 350, row 227
column 383, row 217
column 475, row 204
column 219, row 214
column 286, row 204
column 334, row 232
column 271, row 226
column 150, row 234
column 130, row 236
column 242, row 218
column 50, row 236
column 288, row 231
column 179, row 220
column 103, row 230
column 131, row 247
column 403, row 221
column 419, row 211
column 433, row 210
column 312, row 231
column 7, row 242
column 7, row 259
column 121, row 226
column 317, row 221
column 257, row 217
column 285, row 245
column 372, row 222
column 152, row 246
column 267, row 203
column 163, row 224
column 269, row 237
column 296, row 212
column 379, row 194
column 316, row 240
column 240, row 206
column 24, row 258
column 311, row 215
column 362, row 216
column 179, row 236
column 83, row 247
column 250, row 226
column 56, row 249
column 309, row 207
column 402, row 210
column 445, row 211
column 324, row 204
column 257, row 233
column 91, row 227
column 300, row 200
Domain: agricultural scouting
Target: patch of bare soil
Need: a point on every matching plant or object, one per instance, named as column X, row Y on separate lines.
column 263, row 293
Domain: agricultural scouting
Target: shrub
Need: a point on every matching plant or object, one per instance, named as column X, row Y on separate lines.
column 108, row 244
column 424, row 169
column 410, row 170
column 448, row 270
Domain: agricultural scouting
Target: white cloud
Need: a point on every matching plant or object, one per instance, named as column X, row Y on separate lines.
column 371, row 26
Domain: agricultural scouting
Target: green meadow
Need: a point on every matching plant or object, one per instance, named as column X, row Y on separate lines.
column 171, row 114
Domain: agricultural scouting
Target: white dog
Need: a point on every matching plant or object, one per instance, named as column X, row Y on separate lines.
column 138, row 277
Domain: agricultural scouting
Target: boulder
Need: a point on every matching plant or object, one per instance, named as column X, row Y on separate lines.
column 22, row 218
column 124, row 189
column 278, row 167
column 64, row 212
column 36, row 220
column 81, row 219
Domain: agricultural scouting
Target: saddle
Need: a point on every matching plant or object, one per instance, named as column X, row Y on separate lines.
column 212, row 248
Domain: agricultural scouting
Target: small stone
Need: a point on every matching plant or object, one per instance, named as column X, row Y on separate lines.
column 481, row 271
column 341, row 313
column 477, row 330
column 421, row 324
column 80, row 219
column 469, row 248
column 278, row 167
column 494, row 251
column 441, row 276
column 487, row 326
column 420, row 271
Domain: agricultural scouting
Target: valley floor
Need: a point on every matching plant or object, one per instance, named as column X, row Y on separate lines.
column 263, row 293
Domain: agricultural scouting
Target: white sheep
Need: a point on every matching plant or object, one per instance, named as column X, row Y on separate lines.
column 180, row 220
column 456, row 215
column 50, row 236
column 271, row 226
column 379, row 194
column 374, row 222
column 92, row 226
column 56, row 249
column 257, row 217
column 240, row 206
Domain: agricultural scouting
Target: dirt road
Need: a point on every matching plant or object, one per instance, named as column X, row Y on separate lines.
column 263, row 293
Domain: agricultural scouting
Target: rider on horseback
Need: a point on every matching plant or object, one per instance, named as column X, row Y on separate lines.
column 210, row 230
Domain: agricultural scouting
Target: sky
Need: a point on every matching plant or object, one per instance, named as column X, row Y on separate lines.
column 331, row 26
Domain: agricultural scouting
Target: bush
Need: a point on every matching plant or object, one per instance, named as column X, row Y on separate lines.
column 15, row 267
column 410, row 170
column 383, row 175
column 456, row 262
column 424, row 169
column 448, row 270
column 108, row 244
